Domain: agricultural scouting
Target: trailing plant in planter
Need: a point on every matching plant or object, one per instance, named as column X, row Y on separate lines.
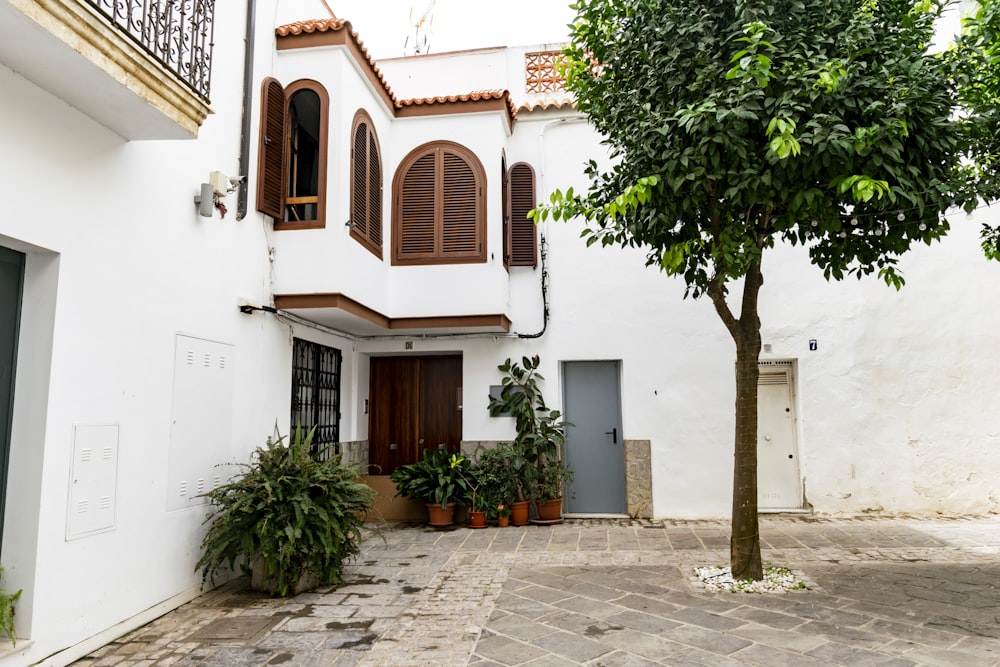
column 293, row 514
column 540, row 432
column 7, row 601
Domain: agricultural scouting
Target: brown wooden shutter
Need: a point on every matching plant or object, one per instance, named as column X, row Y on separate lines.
column 460, row 217
column 523, row 239
column 417, row 209
column 271, row 158
column 505, row 208
column 374, row 191
column 359, row 181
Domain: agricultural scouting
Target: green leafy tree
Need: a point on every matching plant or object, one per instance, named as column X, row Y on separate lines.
column 978, row 70
column 733, row 126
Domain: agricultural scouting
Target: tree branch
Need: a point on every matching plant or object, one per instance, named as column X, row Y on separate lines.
column 717, row 294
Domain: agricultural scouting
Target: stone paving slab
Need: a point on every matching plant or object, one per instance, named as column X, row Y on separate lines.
column 889, row 592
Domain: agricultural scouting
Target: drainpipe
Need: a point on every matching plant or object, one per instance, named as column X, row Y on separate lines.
column 248, row 54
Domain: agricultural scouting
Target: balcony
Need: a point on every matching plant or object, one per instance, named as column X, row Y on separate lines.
column 141, row 68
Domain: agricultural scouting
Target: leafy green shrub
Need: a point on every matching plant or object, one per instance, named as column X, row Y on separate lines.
column 297, row 514
column 7, row 601
column 497, row 478
column 440, row 478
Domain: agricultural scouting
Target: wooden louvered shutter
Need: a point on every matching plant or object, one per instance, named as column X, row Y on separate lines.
column 374, row 191
column 271, row 158
column 417, row 210
column 505, row 209
column 460, row 217
column 366, row 185
column 523, row 240
column 359, row 182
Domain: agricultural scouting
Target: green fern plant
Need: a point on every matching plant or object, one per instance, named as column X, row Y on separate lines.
column 7, row 601
column 293, row 512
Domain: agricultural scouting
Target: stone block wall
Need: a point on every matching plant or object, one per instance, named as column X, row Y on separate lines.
column 355, row 453
column 638, row 479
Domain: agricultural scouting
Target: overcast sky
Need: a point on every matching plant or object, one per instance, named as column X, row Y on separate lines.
column 384, row 25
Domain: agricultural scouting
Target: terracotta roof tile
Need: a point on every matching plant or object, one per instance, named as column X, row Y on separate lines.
column 314, row 25
column 543, row 105
column 334, row 25
column 474, row 96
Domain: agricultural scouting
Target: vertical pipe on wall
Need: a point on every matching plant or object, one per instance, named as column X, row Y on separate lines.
column 241, row 197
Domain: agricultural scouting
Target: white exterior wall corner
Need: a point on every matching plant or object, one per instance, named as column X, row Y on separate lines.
column 119, row 263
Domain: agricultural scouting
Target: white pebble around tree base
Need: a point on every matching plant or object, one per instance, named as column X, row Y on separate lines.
column 776, row 580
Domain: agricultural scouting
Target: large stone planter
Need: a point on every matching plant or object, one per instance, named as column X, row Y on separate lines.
column 259, row 582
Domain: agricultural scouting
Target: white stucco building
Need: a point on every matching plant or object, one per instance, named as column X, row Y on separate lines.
column 142, row 344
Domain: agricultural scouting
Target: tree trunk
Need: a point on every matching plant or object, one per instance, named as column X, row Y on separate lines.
column 744, row 548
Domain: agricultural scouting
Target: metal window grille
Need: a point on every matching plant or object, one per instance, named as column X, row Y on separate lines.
column 316, row 394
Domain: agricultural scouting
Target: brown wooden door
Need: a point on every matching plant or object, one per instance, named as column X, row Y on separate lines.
column 413, row 405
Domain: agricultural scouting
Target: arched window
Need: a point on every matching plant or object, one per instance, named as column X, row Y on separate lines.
column 366, row 184
column 520, row 239
column 291, row 176
column 439, row 206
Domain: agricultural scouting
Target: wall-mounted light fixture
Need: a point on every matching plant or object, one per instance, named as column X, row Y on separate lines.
column 210, row 194
column 205, row 200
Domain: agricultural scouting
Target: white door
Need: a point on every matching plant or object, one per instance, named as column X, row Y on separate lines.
column 778, row 483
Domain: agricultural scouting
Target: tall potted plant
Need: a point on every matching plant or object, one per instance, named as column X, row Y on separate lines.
column 540, row 432
column 497, row 478
column 290, row 519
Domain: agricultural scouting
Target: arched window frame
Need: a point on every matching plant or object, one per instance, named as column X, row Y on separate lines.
column 431, row 222
column 366, row 184
column 275, row 168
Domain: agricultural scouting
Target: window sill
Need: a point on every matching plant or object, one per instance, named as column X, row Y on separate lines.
column 282, row 226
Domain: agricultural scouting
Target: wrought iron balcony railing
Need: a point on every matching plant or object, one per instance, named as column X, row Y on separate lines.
column 176, row 33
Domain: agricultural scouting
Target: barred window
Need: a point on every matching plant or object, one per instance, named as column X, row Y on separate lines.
column 316, row 393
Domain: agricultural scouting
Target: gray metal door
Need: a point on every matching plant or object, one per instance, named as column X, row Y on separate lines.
column 594, row 444
column 11, row 280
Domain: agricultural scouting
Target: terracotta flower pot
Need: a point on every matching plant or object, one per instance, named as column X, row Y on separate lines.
column 438, row 517
column 503, row 521
column 519, row 513
column 477, row 519
column 550, row 511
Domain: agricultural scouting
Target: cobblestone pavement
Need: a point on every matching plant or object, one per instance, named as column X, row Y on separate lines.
column 891, row 592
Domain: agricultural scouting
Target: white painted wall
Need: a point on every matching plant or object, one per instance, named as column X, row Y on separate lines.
column 896, row 406
column 119, row 263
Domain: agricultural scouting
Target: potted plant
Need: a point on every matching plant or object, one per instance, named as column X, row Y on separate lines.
column 497, row 478
column 438, row 480
column 289, row 518
column 540, row 432
column 549, row 486
column 7, row 601
column 503, row 515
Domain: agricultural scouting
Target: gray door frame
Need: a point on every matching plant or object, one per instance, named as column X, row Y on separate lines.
column 595, row 445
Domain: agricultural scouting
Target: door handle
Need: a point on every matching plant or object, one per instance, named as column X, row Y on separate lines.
column 614, row 435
